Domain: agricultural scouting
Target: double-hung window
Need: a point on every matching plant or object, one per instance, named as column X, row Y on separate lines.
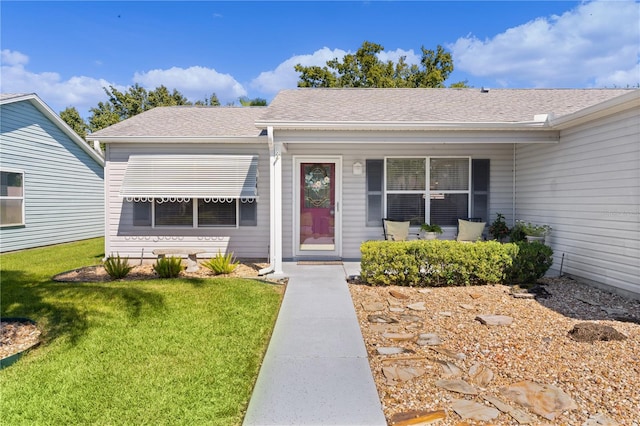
column 436, row 190
column 11, row 198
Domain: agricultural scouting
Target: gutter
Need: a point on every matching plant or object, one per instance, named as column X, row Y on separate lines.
column 405, row 125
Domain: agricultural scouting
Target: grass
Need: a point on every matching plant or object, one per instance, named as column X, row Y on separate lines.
column 175, row 351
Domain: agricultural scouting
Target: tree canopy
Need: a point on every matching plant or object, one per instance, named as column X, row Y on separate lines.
column 122, row 105
column 366, row 69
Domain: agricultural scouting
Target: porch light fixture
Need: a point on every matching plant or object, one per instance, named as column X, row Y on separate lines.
column 357, row 168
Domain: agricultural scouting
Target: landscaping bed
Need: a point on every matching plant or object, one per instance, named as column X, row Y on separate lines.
column 600, row 377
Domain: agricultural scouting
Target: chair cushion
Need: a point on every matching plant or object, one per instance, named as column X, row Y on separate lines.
column 470, row 231
column 397, row 231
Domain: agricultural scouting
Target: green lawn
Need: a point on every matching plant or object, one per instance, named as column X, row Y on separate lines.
column 179, row 351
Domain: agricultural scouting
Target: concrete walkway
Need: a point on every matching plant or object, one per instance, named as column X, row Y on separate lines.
column 316, row 370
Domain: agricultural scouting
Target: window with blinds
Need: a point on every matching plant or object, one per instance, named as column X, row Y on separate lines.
column 433, row 190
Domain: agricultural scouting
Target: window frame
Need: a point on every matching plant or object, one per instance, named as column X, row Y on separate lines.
column 194, row 215
column 21, row 198
column 427, row 193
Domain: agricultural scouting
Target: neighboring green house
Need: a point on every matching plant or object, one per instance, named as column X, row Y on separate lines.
column 311, row 175
column 52, row 182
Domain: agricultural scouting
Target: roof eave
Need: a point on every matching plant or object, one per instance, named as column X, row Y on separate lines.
column 612, row 106
column 178, row 139
column 404, row 125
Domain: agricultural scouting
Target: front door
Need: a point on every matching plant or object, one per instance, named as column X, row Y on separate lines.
column 318, row 208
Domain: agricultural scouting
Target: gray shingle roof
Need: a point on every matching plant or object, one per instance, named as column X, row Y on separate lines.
column 188, row 121
column 7, row 96
column 429, row 105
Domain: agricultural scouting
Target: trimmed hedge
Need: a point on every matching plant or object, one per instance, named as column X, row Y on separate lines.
column 532, row 261
column 435, row 262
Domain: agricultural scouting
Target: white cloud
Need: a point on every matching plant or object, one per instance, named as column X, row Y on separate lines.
column 410, row 57
column 286, row 77
column 194, row 82
column 593, row 45
column 78, row 91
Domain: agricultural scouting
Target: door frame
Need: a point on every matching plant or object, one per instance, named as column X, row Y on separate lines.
column 319, row 254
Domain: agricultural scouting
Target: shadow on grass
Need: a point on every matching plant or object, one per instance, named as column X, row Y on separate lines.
column 62, row 310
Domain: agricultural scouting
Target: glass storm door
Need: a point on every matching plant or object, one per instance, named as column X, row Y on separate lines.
column 317, row 208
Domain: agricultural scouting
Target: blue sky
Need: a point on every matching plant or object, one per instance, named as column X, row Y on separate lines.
column 67, row 51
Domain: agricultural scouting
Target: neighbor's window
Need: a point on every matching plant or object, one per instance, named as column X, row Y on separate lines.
column 11, row 198
column 405, row 184
column 208, row 212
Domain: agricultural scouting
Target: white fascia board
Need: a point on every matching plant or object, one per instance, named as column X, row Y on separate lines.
column 404, row 125
column 175, row 139
column 55, row 118
column 612, row 106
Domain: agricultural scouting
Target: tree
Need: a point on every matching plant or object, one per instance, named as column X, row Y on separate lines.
column 72, row 117
column 244, row 101
column 122, row 105
column 212, row 101
column 365, row 69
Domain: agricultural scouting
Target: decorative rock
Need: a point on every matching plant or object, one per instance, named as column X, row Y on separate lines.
column 449, row 353
column 394, row 302
column 445, row 314
column 586, row 300
column 457, row 385
column 395, row 373
column 480, row 375
column 417, row 418
column 394, row 309
column 525, row 295
column 494, row 320
column 381, row 319
column 419, row 306
column 590, row 332
column 473, row 410
column 519, row 415
column 450, row 370
column 398, row 295
column 547, row 401
column 386, row 350
column 373, row 306
column 476, row 295
column 399, row 336
column 425, row 290
column 467, row 306
column 600, row 420
column 428, row 339
column 616, row 312
column 410, row 318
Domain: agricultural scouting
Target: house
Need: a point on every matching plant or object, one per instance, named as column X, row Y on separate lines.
column 52, row 186
column 311, row 175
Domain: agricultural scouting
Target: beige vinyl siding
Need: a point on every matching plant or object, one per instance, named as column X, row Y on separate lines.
column 588, row 189
column 137, row 242
column 353, row 208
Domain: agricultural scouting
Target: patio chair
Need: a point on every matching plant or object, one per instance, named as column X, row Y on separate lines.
column 395, row 230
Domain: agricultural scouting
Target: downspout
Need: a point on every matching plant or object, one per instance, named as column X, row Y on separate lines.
column 513, row 199
column 274, row 159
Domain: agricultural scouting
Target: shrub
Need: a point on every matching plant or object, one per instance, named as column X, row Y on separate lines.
column 168, row 267
column 434, row 262
column 530, row 263
column 221, row 264
column 117, row 267
column 499, row 229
